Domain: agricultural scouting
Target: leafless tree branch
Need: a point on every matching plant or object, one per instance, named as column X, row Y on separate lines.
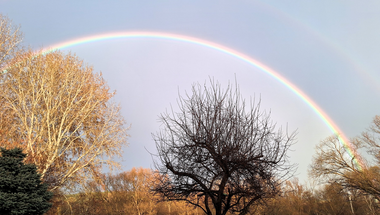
column 222, row 150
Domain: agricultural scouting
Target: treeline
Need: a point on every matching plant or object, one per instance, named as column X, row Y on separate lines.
column 131, row 193
column 124, row 193
column 331, row 198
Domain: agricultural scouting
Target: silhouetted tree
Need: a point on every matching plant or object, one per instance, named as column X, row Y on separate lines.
column 21, row 190
column 219, row 156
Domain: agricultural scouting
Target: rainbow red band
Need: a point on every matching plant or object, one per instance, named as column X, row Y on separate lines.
column 157, row 35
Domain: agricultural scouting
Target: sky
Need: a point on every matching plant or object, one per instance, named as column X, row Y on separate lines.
column 327, row 49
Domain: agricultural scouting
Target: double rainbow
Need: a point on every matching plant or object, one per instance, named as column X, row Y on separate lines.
column 157, row 35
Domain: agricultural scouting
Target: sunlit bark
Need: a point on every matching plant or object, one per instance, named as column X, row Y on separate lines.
column 10, row 49
column 63, row 116
column 10, row 41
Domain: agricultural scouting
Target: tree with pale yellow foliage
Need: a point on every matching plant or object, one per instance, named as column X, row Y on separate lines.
column 10, row 49
column 62, row 116
column 10, row 41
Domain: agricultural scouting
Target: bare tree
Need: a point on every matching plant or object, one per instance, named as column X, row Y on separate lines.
column 334, row 163
column 62, row 116
column 10, row 49
column 216, row 155
column 10, row 39
column 135, row 185
column 371, row 139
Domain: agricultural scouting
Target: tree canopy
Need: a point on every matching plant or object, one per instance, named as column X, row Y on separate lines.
column 62, row 116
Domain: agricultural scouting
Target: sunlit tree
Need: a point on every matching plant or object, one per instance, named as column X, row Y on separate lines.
column 10, row 42
column 63, row 117
column 10, row 51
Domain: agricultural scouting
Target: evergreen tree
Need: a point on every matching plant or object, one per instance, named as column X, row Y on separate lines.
column 21, row 190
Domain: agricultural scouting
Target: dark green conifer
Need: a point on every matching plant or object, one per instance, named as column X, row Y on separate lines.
column 21, row 190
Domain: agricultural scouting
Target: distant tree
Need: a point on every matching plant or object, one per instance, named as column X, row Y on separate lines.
column 21, row 190
column 218, row 156
column 294, row 199
column 137, row 184
column 124, row 193
column 331, row 198
column 335, row 164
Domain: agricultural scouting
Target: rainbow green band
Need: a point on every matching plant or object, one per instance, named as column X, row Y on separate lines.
column 157, row 35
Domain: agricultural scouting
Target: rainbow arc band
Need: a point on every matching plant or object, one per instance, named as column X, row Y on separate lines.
column 166, row 36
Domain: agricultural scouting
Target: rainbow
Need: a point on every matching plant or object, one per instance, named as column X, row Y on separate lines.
column 157, row 35
column 334, row 47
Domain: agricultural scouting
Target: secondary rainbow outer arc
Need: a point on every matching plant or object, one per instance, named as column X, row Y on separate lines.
column 157, row 35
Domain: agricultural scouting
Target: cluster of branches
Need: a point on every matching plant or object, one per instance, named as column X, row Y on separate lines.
column 337, row 165
column 58, row 111
column 216, row 151
column 10, row 42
